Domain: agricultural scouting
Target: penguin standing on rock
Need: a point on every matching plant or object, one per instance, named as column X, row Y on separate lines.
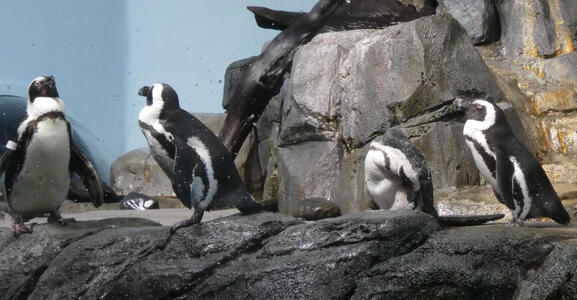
column 37, row 167
column 518, row 180
column 200, row 168
column 397, row 175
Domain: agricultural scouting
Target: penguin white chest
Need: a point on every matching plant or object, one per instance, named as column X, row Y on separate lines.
column 477, row 142
column 383, row 185
column 43, row 182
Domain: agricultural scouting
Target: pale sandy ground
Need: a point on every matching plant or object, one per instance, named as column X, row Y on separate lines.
column 163, row 216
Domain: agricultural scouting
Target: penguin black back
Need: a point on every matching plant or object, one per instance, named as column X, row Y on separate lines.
column 202, row 171
column 516, row 176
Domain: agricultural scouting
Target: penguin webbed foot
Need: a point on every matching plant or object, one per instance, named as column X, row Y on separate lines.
column 195, row 219
column 55, row 217
column 516, row 222
column 19, row 227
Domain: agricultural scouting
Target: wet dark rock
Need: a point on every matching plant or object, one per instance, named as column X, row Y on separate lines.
column 474, row 263
column 320, row 259
column 25, row 259
column 383, row 254
column 232, row 77
column 358, row 14
column 315, row 209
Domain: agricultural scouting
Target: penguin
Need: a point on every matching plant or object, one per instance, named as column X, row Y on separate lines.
column 397, row 175
column 200, row 168
column 37, row 167
column 517, row 178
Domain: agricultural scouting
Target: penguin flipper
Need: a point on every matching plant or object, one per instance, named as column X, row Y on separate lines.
column 80, row 165
column 185, row 162
column 504, row 173
column 405, row 181
column 3, row 159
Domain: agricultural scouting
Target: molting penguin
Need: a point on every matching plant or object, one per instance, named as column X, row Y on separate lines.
column 397, row 175
column 518, row 180
column 199, row 166
column 37, row 167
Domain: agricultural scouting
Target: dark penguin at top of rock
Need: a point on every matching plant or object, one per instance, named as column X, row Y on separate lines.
column 518, row 180
column 37, row 167
column 200, row 168
column 397, row 175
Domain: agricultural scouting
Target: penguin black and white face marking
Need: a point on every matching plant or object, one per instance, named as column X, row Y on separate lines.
column 42, row 98
column 160, row 141
column 43, row 86
column 481, row 115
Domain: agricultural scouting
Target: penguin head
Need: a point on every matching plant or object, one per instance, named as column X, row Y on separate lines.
column 160, row 94
column 481, row 111
column 43, row 86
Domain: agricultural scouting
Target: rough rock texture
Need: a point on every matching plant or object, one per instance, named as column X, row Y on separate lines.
column 382, row 254
column 137, row 171
column 232, row 76
column 24, row 260
column 316, row 209
column 348, row 87
column 537, row 28
column 478, row 17
column 484, row 262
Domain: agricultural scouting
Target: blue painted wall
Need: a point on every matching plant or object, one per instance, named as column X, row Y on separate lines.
column 102, row 52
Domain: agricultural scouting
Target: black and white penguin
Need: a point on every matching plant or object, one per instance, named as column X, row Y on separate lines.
column 200, row 168
column 397, row 175
column 518, row 180
column 37, row 167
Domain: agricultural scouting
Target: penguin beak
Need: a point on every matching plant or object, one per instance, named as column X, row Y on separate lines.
column 462, row 103
column 144, row 91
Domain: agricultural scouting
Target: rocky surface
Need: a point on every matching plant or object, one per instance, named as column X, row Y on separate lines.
column 478, row 17
column 316, row 209
column 537, row 28
column 347, row 88
column 383, row 254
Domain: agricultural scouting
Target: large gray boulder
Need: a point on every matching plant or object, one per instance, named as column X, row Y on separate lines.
column 137, row 171
column 478, row 17
column 348, row 87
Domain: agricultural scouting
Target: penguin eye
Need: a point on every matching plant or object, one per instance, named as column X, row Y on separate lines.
column 479, row 106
